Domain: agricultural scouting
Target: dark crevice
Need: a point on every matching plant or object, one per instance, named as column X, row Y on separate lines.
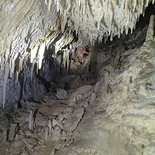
column 144, row 20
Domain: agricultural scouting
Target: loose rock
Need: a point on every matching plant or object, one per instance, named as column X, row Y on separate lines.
column 62, row 94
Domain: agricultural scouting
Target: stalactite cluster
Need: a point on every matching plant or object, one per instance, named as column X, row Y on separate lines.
column 36, row 53
column 95, row 19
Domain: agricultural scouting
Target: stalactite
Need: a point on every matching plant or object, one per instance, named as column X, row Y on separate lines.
column 67, row 60
column 46, row 2
column 126, row 4
column 142, row 9
column 49, row 4
column 111, row 37
column 147, row 3
column 12, row 64
column 123, row 10
column 32, row 68
column 101, row 2
column 150, row 32
column 41, row 54
column 64, row 58
column 33, row 54
column 58, row 5
column 134, row 5
column 51, row 38
column 57, row 47
column 6, row 75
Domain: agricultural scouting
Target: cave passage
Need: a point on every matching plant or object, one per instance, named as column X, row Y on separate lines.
column 82, row 99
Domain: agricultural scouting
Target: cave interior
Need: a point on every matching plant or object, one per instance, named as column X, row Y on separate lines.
column 71, row 88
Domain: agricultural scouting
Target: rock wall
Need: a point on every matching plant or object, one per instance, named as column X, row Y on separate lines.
column 128, row 98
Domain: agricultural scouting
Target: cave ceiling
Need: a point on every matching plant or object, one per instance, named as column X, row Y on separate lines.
column 94, row 19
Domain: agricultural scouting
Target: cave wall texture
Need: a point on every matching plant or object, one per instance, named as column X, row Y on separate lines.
column 130, row 105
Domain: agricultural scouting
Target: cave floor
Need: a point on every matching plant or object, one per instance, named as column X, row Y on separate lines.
column 64, row 123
